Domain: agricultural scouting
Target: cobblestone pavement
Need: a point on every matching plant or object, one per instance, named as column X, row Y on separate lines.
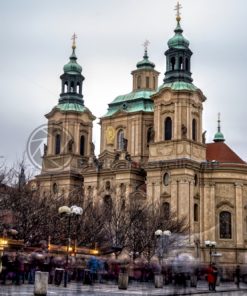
column 133, row 290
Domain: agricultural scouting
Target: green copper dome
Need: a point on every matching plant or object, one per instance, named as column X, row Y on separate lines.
column 178, row 41
column 145, row 63
column 72, row 67
column 219, row 137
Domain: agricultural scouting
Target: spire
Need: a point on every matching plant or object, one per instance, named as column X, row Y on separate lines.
column 145, row 63
column 219, row 137
column 72, row 79
column 178, row 55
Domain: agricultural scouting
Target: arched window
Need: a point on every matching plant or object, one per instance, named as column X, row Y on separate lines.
column 57, row 144
column 71, row 86
column 168, row 128
column 55, row 188
column 147, row 82
column 166, row 210
column 173, row 62
column 225, row 225
column 82, row 145
column 65, row 87
column 180, row 63
column 187, row 68
column 194, row 130
column 196, row 180
column 78, row 87
column 196, row 212
column 108, row 206
column 120, row 137
column 139, row 82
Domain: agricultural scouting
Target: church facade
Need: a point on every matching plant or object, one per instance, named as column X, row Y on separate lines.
column 152, row 150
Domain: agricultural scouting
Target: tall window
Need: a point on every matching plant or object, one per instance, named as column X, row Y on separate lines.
column 196, row 213
column 166, row 210
column 173, row 61
column 225, row 225
column 78, row 87
column 120, row 137
column 168, row 128
column 187, row 67
column 57, row 144
column 139, row 82
column 194, row 130
column 180, row 63
column 82, row 145
column 147, row 82
column 71, row 86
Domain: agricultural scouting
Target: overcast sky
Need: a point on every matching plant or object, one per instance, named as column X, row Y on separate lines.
column 36, row 43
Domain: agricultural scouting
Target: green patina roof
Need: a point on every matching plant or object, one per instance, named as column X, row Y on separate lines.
column 145, row 63
column 179, row 85
column 178, row 41
column 72, row 67
column 132, row 102
column 219, row 137
column 71, row 107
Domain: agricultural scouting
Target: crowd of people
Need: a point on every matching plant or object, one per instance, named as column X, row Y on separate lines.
column 19, row 268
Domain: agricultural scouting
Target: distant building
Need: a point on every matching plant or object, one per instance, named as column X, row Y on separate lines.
column 152, row 150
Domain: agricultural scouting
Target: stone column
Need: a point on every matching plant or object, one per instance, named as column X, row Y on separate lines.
column 211, row 211
column 184, row 198
column 239, row 215
column 174, row 196
column 191, row 209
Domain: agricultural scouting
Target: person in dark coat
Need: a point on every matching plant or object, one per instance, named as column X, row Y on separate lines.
column 5, row 268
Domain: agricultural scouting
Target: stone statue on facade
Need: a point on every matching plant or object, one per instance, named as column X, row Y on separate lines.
column 184, row 131
column 45, row 149
column 204, row 137
column 92, row 148
column 125, row 144
column 70, row 145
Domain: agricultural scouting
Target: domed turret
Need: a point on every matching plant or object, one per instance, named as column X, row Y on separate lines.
column 178, row 41
column 219, row 137
column 72, row 80
column 145, row 63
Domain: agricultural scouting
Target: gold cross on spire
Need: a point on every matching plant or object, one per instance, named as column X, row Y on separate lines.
column 146, row 44
column 177, row 8
column 74, row 37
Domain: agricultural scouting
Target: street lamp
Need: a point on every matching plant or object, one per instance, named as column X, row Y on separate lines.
column 211, row 245
column 69, row 212
column 162, row 242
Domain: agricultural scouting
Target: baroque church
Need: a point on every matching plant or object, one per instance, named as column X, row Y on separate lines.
column 152, row 150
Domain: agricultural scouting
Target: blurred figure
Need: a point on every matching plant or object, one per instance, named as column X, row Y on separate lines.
column 237, row 272
column 5, row 268
column 212, row 273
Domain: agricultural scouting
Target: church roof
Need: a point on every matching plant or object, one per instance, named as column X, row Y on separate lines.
column 179, row 85
column 132, row 102
column 221, row 152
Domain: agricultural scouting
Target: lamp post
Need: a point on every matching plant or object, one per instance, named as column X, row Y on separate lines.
column 162, row 238
column 211, row 245
column 69, row 212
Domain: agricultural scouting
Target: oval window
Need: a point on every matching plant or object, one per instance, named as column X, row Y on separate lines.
column 166, row 178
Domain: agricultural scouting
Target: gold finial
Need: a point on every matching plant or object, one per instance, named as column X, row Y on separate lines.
column 177, row 8
column 146, row 44
column 73, row 43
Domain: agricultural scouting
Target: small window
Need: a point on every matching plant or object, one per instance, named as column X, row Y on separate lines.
column 55, row 188
column 187, row 68
column 78, row 87
column 196, row 213
column 71, row 86
column 173, row 61
column 120, row 137
column 168, row 128
column 166, row 210
column 139, row 82
column 147, row 82
column 196, row 180
column 194, row 130
column 225, row 225
column 82, row 145
column 166, row 179
column 66, row 87
column 57, row 144
column 181, row 63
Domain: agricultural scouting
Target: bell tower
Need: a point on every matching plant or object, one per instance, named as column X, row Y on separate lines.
column 69, row 134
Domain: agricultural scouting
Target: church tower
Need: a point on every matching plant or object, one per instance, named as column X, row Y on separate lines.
column 173, row 168
column 69, row 140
